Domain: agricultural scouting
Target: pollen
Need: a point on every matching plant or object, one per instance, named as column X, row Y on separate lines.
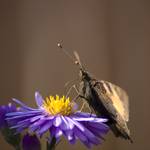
column 58, row 105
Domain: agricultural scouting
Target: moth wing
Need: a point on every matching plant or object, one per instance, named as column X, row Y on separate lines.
column 114, row 98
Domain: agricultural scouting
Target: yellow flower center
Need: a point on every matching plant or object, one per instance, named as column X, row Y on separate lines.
column 58, row 105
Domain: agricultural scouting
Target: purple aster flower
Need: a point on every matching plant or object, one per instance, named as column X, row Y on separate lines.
column 59, row 116
column 31, row 142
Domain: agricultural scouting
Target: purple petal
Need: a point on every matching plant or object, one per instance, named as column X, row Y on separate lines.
column 11, row 108
column 83, row 119
column 3, row 111
column 33, row 119
column 80, row 135
column 86, row 140
column 70, row 136
column 22, row 104
column 21, row 116
column 100, row 120
column 99, row 126
column 36, row 125
column 57, row 121
column 31, row 142
column 95, row 131
column 23, row 123
column 2, row 117
column 91, row 136
column 36, row 111
column 89, row 119
column 39, row 99
column 70, row 124
column 55, row 132
column 65, row 124
column 19, row 130
column 77, row 124
column 58, row 133
column 73, row 140
column 44, row 128
column 84, row 115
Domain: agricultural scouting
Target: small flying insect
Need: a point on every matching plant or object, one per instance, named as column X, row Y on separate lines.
column 106, row 99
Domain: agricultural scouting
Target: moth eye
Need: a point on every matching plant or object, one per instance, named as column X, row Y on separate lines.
column 59, row 45
column 76, row 62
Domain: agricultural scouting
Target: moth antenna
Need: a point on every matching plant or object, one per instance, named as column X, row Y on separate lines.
column 78, row 61
column 77, row 58
column 66, row 52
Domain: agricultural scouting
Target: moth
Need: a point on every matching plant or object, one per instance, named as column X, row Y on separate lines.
column 106, row 99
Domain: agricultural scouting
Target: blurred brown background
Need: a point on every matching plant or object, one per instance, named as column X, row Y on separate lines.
column 111, row 36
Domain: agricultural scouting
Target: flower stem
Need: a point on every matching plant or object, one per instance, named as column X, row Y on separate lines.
column 18, row 148
column 52, row 144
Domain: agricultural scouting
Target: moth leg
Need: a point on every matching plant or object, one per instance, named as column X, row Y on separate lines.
column 78, row 94
column 74, row 86
column 91, row 111
column 76, row 98
column 89, row 108
column 71, row 88
column 82, row 107
column 81, row 96
column 70, row 82
column 85, row 104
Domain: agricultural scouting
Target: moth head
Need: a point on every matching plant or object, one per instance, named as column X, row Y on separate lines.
column 84, row 75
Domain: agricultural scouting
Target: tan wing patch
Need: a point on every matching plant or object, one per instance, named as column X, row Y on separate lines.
column 118, row 97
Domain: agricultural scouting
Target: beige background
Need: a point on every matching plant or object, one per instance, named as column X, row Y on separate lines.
column 111, row 36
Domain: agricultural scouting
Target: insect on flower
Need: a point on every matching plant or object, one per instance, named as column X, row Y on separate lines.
column 106, row 99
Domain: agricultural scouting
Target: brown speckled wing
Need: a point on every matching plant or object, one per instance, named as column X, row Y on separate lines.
column 114, row 99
